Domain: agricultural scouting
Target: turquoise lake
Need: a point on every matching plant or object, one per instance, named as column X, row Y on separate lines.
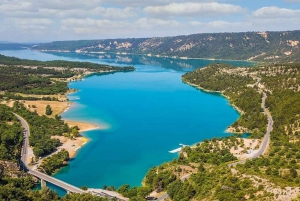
column 148, row 112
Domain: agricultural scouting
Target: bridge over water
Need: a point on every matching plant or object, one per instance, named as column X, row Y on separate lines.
column 46, row 178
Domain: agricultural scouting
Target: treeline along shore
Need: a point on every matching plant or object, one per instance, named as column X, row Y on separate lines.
column 36, row 90
column 223, row 168
column 201, row 172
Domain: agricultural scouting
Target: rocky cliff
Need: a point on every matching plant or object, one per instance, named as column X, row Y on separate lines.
column 253, row 46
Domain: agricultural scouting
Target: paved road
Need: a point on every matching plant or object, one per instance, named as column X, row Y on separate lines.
column 265, row 143
column 262, row 149
column 25, row 141
column 266, row 140
column 64, row 185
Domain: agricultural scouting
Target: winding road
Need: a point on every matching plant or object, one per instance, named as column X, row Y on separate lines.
column 263, row 146
column 24, row 156
column 266, row 140
column 42, row 176
column 68, row 187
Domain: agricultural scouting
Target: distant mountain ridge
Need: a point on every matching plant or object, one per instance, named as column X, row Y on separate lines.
column 253, row 46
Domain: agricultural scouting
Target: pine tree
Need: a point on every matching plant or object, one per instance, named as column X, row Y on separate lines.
column 48, row 110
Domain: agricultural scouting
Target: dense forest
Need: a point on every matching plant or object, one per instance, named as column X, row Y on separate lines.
column 43, row 77
column 14, row 96
column 19, row 77
column 234, row 86
column 13, row 61
column 41, row 130
column 55, row 162
column 30, row 84
column 257, row 46
column 201, row 172
column 206, row 172
column 280, row 166
column 14, row 183
column 11, row 134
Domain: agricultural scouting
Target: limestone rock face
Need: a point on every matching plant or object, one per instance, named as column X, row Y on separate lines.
column 268, row 46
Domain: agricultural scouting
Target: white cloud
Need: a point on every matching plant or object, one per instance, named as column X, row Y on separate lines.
column 77, row 19
column 145, row 27
column 66, row 4
column 114, row 13
column 193, row 9
column 58, row 9
column 219, row 26
column 145, row 3
column 91, row 27
column 11, row 6
column 150, row 23
column 275, row 12
column 74, row 22
column 26, row 24
column 34, row 21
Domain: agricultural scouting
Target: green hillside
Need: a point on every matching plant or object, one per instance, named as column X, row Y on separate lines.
column 253, row 46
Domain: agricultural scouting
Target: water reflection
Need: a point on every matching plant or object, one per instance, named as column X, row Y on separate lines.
column 177, row 64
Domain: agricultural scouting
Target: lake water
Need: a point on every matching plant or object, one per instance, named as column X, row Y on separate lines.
column 148, row 112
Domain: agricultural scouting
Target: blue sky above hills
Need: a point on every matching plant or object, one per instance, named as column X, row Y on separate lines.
column 44, row 20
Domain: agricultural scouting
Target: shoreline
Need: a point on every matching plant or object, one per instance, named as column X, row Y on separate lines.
column 250, row 146
column 229, row 129
column 152, row 55
column 71, row 145
column 84, row 126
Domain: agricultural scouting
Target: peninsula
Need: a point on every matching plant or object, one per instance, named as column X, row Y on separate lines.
column 36, row 91
column 216, row 169
column 265, row 165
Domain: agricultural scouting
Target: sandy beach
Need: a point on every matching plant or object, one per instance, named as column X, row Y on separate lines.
column 84, row 126
column 58, row 108
column 71, row 145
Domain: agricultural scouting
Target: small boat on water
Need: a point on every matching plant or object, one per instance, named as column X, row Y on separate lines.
column 178, row 149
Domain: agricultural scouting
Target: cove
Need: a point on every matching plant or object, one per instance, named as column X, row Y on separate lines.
column 148, row 112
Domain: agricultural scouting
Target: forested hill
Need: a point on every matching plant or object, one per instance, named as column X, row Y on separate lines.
column 256, row 46
column 45, row 77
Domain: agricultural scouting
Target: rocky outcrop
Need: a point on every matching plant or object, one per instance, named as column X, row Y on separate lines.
column 253, row 46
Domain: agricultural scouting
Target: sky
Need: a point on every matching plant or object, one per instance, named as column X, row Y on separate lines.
column 55, row 20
